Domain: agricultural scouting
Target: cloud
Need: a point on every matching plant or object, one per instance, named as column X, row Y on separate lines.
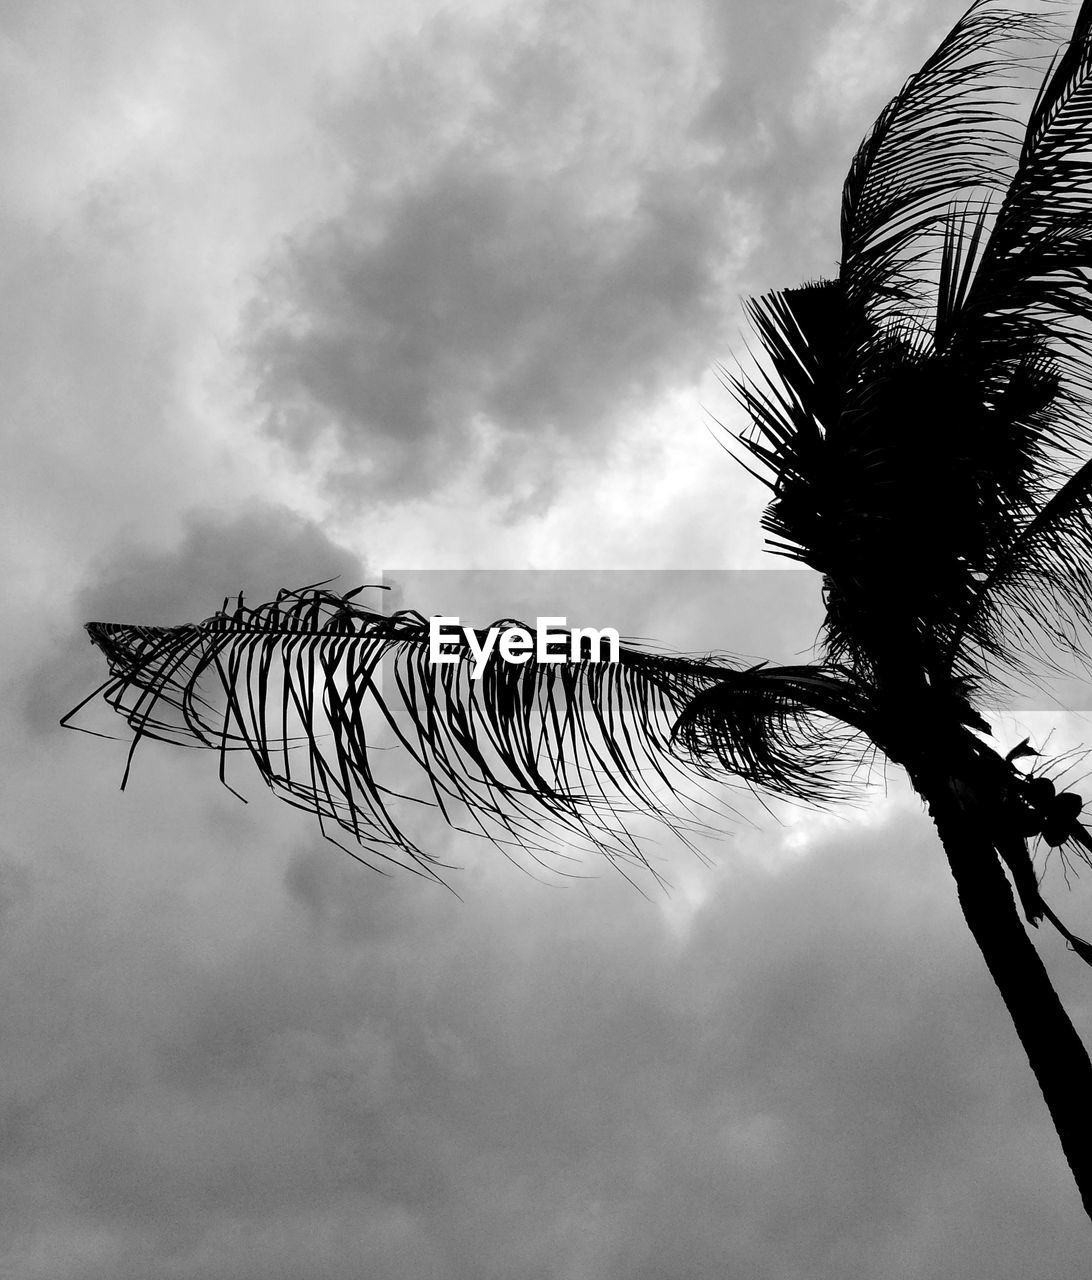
column 546, row 263
column 799, row 88
column 256, row 550
column 260, row 548
column 816, row 1080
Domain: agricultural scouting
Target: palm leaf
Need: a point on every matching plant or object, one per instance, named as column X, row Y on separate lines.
column 1039, row 590
column 792, row 410
column 315, row 688
column 1041, row 244
column 1024, row 326
column 772, row 725
column 947, row 138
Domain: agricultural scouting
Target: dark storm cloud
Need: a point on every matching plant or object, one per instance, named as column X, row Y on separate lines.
column 257, row 551
column 488, row 295
column 548, row 265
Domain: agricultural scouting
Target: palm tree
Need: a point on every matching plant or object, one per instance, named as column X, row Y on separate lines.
column 922, row 421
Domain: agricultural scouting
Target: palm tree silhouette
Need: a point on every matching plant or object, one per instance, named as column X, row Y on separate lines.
column 922, row 421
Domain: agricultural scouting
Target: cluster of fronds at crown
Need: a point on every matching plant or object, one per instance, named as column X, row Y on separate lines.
column 922, row 419
column 312, row 686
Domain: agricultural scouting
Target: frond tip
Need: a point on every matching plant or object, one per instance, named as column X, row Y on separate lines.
column 317, row 690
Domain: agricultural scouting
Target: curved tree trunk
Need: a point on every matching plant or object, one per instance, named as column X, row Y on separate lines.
column 1056, row 1053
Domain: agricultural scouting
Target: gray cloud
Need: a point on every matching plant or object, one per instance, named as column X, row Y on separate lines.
column 256, row 550
column 816, row 1080
column 91, row 372
column 798, row 89
column 549, row 264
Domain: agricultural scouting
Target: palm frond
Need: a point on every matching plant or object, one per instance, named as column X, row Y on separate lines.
column 1025, row 328
column 963, row 237
column 792, row 409
column 1030, row 293
column 1036, row 599
column 316, row 689
column 947, row 138
column 820, row 715
column 1035, row 265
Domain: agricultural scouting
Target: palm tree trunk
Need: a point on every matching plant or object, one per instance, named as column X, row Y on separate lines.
column 1055, row 1051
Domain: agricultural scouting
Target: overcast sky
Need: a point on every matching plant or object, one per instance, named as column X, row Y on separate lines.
column 302, row 289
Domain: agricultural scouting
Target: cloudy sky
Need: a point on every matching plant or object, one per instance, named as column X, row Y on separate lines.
column 295, row 290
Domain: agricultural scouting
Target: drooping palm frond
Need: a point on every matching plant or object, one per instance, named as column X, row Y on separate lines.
column 314, row 687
